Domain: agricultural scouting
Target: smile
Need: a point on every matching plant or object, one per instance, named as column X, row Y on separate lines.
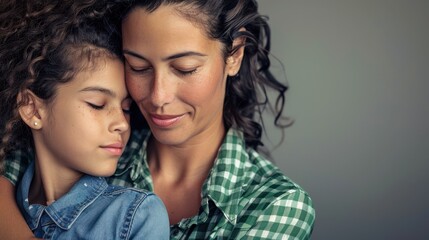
column 165, row 120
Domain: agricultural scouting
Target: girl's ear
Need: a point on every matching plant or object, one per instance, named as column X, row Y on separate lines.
column 31, row 109
column 233, row 62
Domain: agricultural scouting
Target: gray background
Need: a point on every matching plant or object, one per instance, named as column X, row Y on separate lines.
column 359, row 82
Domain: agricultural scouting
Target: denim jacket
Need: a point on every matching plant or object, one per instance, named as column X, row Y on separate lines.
column 92, row 209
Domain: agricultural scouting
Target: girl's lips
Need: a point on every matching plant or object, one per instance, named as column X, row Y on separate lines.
column 115, row 149
column 165, row 120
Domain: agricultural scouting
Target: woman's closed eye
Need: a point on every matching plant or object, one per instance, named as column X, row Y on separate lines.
column 140, row 69
column 187, row 71
column 185, row 66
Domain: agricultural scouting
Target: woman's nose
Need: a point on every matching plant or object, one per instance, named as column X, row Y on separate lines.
column 162, row 90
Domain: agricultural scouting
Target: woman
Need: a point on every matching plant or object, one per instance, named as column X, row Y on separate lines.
column 198, row 71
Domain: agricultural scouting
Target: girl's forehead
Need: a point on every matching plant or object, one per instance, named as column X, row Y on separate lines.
column 91, row 59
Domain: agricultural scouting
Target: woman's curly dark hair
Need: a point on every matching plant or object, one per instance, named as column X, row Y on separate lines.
column 246, row 93
column 43, row 44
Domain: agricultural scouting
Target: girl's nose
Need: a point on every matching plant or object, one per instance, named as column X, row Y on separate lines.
column 120, row 123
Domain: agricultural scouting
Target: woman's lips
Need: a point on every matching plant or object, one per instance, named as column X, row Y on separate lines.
column 165, row 121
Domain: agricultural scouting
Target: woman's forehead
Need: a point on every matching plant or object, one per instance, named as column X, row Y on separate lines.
column 161, row 31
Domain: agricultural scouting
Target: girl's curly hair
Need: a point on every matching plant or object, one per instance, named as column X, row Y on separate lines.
column 44, row 43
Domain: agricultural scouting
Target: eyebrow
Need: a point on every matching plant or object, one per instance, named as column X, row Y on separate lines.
column 99, row 89
column 174, row 56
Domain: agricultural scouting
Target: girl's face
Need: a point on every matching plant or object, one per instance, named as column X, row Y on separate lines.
column 176, row 74
column 85, row 129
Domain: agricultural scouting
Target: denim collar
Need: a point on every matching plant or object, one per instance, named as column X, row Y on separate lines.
column 64, row 211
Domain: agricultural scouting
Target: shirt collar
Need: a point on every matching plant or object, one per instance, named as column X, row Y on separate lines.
column 223, row 185
column 226, row 180
column 133, row 160
column 65, row 210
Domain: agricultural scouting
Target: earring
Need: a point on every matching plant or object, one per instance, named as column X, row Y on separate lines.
column 35, row 124
column 230, row 60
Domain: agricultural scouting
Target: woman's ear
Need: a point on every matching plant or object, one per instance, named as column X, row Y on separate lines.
column 31, row 109
column 233, row 61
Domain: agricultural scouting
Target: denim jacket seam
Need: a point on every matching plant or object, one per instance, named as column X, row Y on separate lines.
column 131, row 213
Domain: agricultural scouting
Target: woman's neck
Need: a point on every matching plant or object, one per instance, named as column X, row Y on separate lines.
column 190, row 160
column 179, row 172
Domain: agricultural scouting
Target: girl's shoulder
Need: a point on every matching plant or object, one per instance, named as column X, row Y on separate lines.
column 143, row 213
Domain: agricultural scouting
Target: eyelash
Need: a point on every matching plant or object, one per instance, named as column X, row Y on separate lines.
column 184, row 73
column 96, row 107
column 126, row 111
column 181, row 72
column 141, row 71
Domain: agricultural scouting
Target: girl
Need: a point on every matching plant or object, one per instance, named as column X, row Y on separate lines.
column 199, row 71
column 64, row 94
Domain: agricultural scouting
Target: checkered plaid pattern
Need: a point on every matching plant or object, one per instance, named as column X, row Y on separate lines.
column 244, row 196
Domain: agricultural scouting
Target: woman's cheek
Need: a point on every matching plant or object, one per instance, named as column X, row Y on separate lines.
column 135, row 87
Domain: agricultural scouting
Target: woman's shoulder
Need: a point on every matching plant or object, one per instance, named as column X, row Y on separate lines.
column 260, row 178
column 270, row 198
column 267, row 182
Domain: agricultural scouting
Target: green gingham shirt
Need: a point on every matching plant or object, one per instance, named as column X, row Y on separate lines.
column 244, row 196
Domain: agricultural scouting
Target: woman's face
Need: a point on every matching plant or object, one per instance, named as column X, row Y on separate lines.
column 176, row 74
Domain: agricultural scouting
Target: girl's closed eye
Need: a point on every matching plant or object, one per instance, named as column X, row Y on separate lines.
column 95, row 106
column 126, row 105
